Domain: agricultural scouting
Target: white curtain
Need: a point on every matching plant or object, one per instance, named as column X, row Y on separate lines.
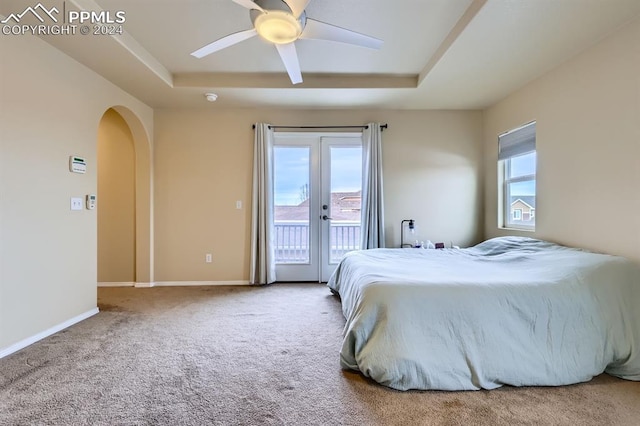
column 372, row 216
column 263, row 267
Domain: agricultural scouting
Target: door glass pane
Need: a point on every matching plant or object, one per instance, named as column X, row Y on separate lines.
column 291, row 204
column 346, row 193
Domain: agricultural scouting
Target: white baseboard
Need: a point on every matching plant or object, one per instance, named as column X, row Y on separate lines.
column 172, row 284
column 197, row 283
column 48, row 332
column 116, row 284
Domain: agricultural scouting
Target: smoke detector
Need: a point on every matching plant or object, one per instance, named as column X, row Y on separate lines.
column 211, row 97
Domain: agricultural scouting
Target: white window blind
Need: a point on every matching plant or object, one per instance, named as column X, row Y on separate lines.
column 517, row 142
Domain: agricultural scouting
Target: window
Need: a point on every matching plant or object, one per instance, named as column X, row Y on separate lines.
column 517, row 175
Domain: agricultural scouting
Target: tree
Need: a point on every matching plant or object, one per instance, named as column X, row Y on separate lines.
column 304, row 192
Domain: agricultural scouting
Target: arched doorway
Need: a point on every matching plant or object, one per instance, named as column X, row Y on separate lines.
column 125, row 249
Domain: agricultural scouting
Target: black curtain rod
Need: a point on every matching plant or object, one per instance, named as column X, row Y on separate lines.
column 383, row 126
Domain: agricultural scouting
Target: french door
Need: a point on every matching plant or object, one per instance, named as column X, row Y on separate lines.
column 317, row 197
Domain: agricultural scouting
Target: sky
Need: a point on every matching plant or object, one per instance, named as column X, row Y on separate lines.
column 291, row 171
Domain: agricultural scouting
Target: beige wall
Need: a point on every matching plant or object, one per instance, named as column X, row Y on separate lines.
column 116, row 195
column 203, row 163
column 588, row 147
column 51, row 107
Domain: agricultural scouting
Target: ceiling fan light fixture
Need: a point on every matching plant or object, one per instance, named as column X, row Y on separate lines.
column 278, row 27
column 282, row 22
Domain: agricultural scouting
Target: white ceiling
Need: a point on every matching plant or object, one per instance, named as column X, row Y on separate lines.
column 437, row 54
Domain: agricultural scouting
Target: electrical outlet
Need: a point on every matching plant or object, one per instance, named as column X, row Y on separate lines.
column 208, row 258
column 239, row 205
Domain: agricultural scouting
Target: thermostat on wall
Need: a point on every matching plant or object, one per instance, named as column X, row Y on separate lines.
column 91, row 201
column 77, row 164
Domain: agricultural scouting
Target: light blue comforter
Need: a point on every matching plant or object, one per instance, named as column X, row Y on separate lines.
column 509, row 311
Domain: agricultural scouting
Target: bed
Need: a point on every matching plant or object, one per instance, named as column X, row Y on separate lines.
column 509, row 311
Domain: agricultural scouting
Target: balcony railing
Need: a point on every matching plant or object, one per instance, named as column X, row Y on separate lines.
column 292, row 240
column 344, row 237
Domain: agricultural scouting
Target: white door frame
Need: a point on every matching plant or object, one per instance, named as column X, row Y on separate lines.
column 326, row 143
column 319, row 268
column 303, row 271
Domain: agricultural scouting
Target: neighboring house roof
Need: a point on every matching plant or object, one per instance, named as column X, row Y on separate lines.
column 529, row 200
column 291, row 212
column 344, row 206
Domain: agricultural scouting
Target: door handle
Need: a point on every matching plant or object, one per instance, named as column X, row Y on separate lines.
column 325, row 217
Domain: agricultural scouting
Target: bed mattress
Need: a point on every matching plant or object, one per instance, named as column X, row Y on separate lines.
column 509, row 311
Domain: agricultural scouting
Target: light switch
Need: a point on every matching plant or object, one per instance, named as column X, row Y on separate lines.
column 76, row 203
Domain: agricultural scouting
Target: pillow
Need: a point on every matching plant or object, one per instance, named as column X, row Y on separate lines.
column 501, row 245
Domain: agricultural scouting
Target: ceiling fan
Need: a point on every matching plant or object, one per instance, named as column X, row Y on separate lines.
column 282, row 22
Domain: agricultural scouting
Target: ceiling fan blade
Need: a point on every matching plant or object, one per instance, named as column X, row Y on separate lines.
column 248, row 4
column 289, row 57
column 297, row 6
column 226, row 41
column 322, row 31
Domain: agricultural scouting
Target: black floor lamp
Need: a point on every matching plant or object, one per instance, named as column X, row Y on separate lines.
column 412, row 228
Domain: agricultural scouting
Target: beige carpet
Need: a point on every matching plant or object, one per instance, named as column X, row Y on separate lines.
column 252, row 356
